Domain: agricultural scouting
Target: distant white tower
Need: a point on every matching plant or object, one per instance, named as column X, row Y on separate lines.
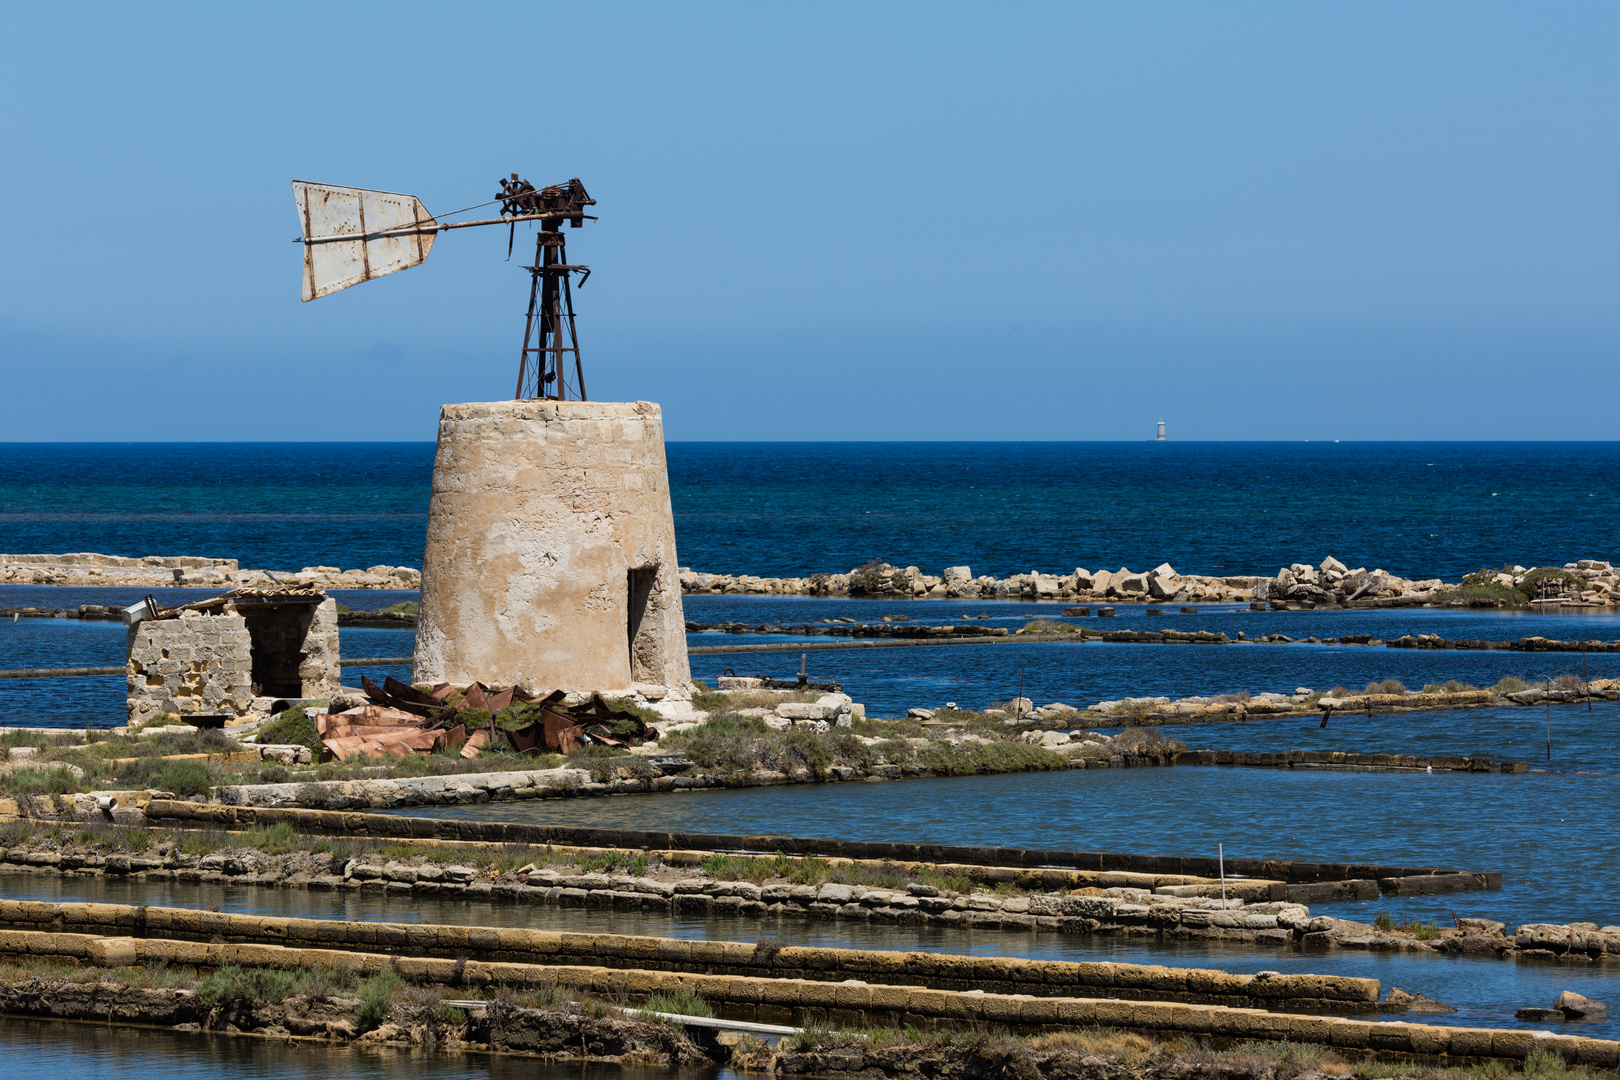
column 1161, row 432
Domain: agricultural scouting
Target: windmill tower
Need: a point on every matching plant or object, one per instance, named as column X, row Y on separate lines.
column 550, row 555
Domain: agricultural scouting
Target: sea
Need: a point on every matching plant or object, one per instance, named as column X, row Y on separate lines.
column 1417, row 509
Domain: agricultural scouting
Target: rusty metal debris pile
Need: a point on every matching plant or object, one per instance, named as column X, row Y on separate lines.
column 403, row 719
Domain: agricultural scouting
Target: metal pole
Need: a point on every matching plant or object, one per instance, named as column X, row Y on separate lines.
column 573, row 335
column 528, row 322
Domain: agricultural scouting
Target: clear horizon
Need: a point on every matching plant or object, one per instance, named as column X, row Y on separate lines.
column 1259, row 222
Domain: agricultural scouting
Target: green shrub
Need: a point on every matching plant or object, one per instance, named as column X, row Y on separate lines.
column 1488, row 595
column 312, row 796
column 277, row 839
column 1384, row 921
column 43, row 780
column 232, row 983
column 682, row 1001
column 292, row 728
column 376, row 999
column 726, row 723
column 1424, row 931
column 1558, row 582
column 1147, row 742
column 180, row 777
column 1049, row 626
column 1509, row 685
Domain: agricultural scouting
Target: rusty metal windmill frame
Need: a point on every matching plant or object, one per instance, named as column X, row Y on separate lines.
column 352, row 235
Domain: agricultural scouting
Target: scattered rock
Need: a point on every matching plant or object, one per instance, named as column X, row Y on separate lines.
column 1577, row 1007
column 1539, row 1016
column 1401, row 1001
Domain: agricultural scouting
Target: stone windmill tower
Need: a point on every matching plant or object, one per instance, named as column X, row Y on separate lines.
column 550, row 554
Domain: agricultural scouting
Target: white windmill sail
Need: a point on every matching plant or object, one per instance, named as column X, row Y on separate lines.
column 390, row 232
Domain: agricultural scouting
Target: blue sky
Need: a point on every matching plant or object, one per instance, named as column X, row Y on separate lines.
column 862, row 221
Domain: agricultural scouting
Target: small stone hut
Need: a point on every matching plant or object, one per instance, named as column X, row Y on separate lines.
column 214, row 657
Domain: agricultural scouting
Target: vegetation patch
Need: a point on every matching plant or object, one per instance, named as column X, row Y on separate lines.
column 182, row 777
column 39, row 780
column 1050, row 626
column 683, row 1001
column 293, row 727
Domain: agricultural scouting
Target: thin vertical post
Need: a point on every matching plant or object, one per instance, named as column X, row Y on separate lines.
column 1221, row 850
column 573, row 335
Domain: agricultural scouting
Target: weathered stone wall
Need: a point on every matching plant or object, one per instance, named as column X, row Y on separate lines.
column 193, row 664
column 318, row 667
column 550, row 554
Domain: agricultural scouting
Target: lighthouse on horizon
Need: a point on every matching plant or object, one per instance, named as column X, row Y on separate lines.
column 1160, row 437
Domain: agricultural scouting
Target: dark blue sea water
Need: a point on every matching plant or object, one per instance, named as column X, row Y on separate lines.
column 1419, row 509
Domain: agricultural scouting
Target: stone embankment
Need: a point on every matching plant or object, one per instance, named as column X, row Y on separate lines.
column 116, row 996
column 1223, row 708
column 608, row 869
column 165, row 571
column 775, row 984
column 1588, row 581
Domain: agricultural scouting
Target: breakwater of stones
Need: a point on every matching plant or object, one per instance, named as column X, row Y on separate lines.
column 87, row 568
column 1591, row 582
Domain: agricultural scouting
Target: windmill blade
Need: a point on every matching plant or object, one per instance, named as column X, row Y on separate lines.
column 355, row 234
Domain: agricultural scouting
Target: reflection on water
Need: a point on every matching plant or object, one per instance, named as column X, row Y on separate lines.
column 1485, row 991
column 31, row 1049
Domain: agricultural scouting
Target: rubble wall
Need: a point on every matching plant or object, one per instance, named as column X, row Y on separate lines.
column 198, row 664
column 540, row 512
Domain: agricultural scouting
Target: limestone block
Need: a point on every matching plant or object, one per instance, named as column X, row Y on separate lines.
column 801, row 710
column 1125, row 583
